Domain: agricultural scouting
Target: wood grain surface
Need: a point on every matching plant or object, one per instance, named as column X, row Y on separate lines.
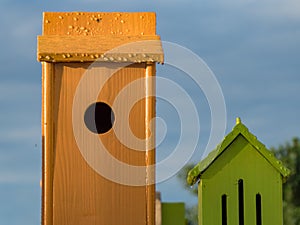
column 72, row 191
column 86, row 37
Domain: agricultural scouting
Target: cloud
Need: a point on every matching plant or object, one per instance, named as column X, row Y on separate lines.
column 277, row 9
column 266, row 8
column 19, row 91
column 18, row 177
column 20, row 25
column 22, row 134
column 20, row 112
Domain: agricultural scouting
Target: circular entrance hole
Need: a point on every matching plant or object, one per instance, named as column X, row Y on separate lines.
column 99, row 117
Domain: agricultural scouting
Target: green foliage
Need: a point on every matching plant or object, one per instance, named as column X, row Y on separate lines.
column 191, row 212
column 191, row 215
column 289, row 154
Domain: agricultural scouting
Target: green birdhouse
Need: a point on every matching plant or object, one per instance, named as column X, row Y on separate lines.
column 240, row 182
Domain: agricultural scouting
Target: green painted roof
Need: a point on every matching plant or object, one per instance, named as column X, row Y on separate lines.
column 240, row 129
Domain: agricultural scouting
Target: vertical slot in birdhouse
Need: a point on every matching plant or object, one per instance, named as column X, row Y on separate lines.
column 224, row 209
column 258, row 209
column 241, row 201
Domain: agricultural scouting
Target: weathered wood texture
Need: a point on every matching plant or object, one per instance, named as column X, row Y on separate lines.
column 74, row 193
column 89, row 37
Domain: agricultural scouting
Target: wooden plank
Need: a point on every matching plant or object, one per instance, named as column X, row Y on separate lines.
column 99, row 23
column 80, row 194
column 87, row 37
column 57, row 48
column 150, row 130
column 48, row 142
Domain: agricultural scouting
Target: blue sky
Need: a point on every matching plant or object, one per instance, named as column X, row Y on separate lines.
column 253, row 48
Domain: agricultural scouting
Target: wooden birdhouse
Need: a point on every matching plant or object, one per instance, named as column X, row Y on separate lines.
column 97, row 109
column 240, row 182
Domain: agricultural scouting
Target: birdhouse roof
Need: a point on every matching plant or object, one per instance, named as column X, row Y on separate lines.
column 240, row 129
